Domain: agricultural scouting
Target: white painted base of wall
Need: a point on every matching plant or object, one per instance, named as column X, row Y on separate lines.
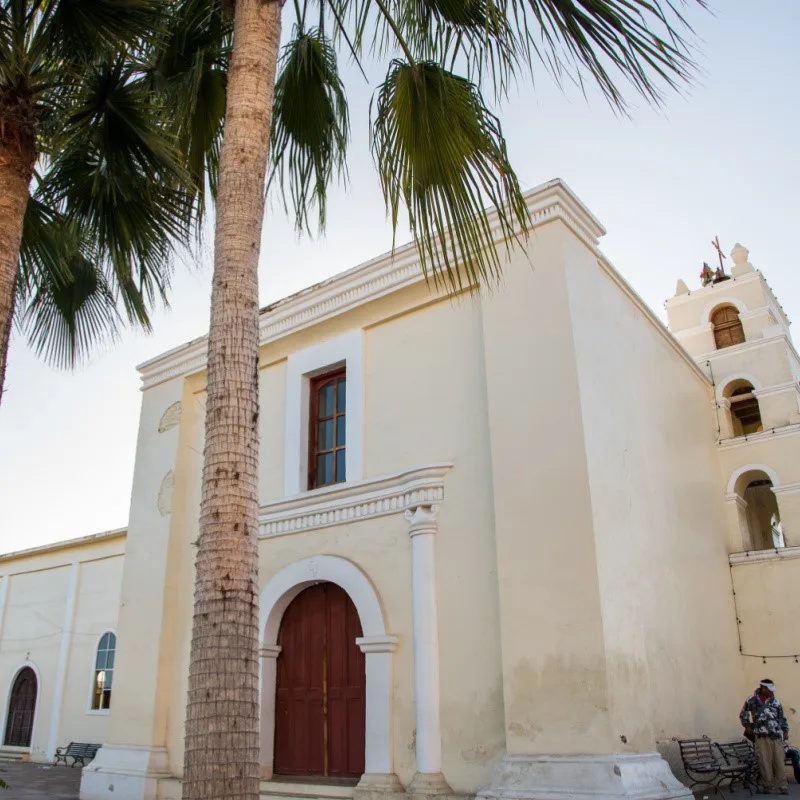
column 644, row 776
column 125, row 772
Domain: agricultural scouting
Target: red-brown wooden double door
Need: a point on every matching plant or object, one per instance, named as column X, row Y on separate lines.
column 321, row 687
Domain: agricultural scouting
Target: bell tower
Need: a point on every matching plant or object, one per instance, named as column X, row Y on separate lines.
column 735, row 329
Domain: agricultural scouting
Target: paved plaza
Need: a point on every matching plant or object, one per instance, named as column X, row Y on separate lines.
column 44, row 782
column 39, row 781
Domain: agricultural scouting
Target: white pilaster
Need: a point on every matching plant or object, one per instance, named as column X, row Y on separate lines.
column 379, row 777
column 378, row 665
column 269, row 675
column 6, row 579
column 422, row 528
column 63, row 656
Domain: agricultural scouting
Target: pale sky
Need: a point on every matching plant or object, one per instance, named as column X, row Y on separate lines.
column 721, row 160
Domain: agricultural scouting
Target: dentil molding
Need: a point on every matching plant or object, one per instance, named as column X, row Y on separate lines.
column 381, row 276
column 350, row 502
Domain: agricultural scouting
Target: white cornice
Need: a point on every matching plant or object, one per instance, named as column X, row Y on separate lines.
column 81, row 541
column 787, row 488
column 754, row 556
column 351, row 502
column 383, row 275
column 752, row 344
column 779, row 388
column 761, row 436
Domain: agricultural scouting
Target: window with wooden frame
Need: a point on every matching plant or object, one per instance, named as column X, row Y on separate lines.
column 728, row 329
column 327, row 429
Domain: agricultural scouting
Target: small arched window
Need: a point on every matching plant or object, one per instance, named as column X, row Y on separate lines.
column 104, row 672
column 728, row 329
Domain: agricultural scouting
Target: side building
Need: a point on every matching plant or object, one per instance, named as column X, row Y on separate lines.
column 59, row 606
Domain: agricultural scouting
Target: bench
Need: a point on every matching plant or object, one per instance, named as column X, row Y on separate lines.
column 78, row 752
column 707, row 767
column 740, row 752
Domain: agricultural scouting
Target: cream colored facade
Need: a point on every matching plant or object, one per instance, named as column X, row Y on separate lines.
column 536, row 527
column 56, row 603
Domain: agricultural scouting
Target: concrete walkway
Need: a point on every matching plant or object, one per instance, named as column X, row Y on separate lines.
column 39, row 781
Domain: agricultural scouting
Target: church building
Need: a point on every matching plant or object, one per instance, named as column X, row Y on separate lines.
column 512, row 544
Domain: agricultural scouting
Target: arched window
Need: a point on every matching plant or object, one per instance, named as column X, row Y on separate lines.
column 760, row 517
column 104, row 672
column 728, row 329
column 745, row 412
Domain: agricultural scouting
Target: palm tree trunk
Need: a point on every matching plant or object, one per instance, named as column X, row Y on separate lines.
column 15, row 176
column 222, row 717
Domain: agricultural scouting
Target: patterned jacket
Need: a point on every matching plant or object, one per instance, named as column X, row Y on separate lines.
column 765, row 718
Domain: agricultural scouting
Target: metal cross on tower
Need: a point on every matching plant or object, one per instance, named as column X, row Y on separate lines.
column 715, row 243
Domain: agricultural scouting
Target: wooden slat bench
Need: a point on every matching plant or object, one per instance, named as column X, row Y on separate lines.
column 79, row 752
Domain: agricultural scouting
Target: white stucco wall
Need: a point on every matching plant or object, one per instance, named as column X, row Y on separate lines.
column 58, row 601
column 659, row 521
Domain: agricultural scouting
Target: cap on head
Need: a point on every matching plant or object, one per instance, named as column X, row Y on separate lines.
column 768, row 684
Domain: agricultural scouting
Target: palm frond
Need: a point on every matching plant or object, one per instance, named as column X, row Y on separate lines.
column 475, row 37
column 116, row 171
column 441, row 152
column 84, row 30
column 310, row 125
column 188, row 65
column 642, row 43
column 639, row 42
column 64, row 305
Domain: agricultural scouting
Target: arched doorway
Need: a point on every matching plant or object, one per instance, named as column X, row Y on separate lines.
column 21, row 709
column 320, row 687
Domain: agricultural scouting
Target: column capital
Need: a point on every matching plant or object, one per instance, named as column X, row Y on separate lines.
column 270, row 650
column 377, row 644
column 737, row 500
column 422, row 519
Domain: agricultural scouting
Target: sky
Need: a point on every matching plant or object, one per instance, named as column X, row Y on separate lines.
column 719, row 159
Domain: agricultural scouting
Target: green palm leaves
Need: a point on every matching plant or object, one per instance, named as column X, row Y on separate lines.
column 65, row 304
column 438, row 147
column 126, row 100
column 95, row 87
column 441, row 151
column 309, row 123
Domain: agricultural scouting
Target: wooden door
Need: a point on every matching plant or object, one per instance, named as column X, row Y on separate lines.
column 21, row 709
column 321, row 683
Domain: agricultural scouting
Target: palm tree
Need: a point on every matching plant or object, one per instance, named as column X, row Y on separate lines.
column 439, row 152
column 94, row 194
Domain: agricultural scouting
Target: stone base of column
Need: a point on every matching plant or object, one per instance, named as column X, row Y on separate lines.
column 125, row 772
column 644, row 776
column 375, row 786
column 428, row 784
